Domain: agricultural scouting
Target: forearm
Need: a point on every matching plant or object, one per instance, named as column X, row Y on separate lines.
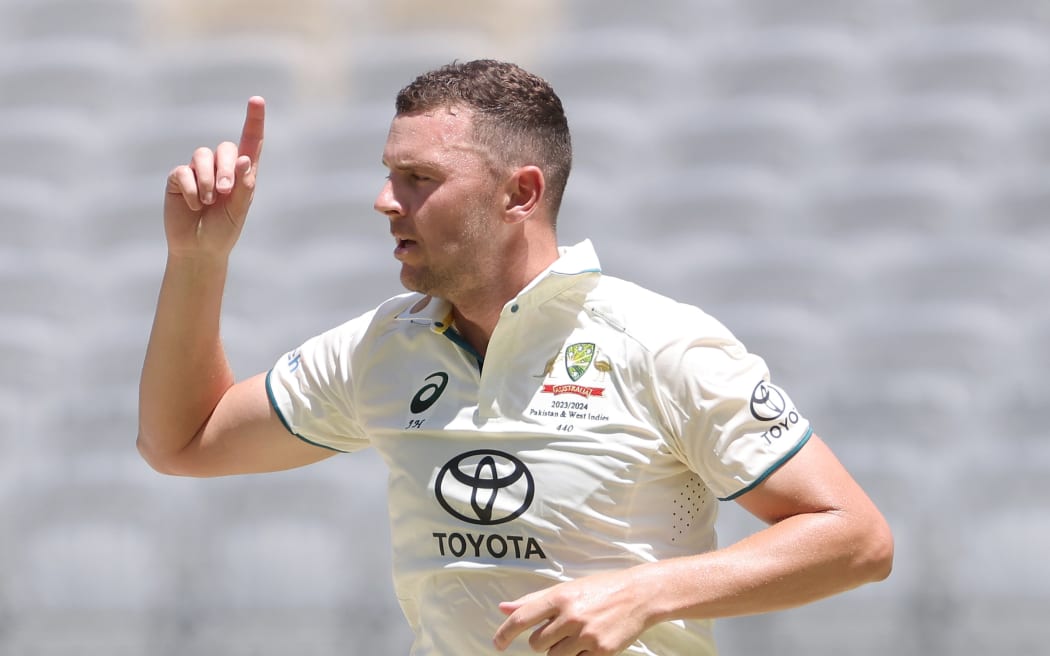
column 793, row 562
column 185, row 372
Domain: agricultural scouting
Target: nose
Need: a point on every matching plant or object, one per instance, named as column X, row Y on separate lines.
column 386, row 203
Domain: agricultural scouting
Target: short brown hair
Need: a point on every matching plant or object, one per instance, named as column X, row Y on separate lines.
column 517, row 115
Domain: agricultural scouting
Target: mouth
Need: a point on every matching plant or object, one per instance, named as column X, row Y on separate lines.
column 403, row 247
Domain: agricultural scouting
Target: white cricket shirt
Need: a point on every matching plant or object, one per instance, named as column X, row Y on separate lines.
column 600, row 431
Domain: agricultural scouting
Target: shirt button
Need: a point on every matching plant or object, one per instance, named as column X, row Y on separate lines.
column 514, row 308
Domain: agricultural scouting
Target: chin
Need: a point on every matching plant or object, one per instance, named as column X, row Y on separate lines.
column 414, row 282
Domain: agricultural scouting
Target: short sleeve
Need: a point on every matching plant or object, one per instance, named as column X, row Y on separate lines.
column 311, row 388
column 729, row 423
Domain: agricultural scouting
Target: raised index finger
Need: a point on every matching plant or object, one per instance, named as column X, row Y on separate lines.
column 252, row 133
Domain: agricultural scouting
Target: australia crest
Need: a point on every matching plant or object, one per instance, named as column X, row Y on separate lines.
column 578, row 358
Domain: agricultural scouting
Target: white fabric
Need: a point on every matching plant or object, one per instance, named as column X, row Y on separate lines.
column 602, row 428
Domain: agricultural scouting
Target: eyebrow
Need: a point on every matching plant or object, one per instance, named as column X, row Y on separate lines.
column 410, row 164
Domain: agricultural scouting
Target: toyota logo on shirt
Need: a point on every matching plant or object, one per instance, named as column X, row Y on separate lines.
column 485, row 487
column 767, row 402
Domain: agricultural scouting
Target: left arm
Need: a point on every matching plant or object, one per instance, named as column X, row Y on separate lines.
column 825, row 536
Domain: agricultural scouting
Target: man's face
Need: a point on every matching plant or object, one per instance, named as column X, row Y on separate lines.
column 442, row 199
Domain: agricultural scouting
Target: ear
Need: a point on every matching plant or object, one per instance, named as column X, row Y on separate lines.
column 524, row 194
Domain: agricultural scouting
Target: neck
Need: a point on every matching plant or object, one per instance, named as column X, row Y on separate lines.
column 477, row 312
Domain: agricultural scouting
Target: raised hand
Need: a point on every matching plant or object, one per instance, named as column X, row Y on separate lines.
column 207, row 200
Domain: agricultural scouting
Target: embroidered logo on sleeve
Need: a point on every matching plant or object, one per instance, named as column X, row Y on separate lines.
column 769, row 404
column 294, row 361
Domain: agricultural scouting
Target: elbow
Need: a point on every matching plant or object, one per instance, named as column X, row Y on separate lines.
column 162, row 462
column 153, row 459
column 876, row 561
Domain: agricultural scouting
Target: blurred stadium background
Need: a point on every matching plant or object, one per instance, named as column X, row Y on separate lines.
column 860, row 189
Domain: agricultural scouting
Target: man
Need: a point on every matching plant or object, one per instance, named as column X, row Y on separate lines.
column 557, row 439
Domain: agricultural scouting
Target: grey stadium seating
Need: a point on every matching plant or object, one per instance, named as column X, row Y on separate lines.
column 858, row 190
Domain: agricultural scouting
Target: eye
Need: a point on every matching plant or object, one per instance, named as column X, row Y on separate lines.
column 419, row 177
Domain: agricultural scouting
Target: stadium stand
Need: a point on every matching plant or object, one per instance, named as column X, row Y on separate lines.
column 858, row 190
column 106, row 22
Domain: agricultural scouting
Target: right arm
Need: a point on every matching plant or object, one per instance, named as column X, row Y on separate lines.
column 194, row 419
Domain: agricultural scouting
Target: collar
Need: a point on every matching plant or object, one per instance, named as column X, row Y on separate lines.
column 429, row 311
column 574, row 264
